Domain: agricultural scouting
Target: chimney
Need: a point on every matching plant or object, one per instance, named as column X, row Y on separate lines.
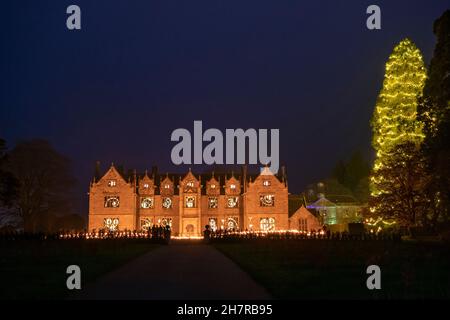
column 97, row 171
column 244, row 177
column 284, row 175
column 155, row 171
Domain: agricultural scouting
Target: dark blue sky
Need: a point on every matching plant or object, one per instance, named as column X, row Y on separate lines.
column 137, row 70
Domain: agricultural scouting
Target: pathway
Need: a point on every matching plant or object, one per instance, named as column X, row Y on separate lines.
column 179, row 271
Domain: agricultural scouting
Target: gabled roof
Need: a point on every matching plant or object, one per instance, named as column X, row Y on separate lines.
column 146, row 177
column 322, row 202
column 113, row 171
column 220, row 176
column 294, row 202
column 302, row 211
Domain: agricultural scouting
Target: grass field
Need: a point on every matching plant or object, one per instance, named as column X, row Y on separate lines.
column 320, row 269
column 37, row 269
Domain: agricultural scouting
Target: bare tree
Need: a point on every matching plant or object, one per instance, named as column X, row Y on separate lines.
column 44, row 181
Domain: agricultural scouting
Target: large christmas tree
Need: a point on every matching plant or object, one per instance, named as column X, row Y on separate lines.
column 395, row 123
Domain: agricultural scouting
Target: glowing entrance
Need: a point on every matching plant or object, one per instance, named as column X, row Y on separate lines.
column 190, row 229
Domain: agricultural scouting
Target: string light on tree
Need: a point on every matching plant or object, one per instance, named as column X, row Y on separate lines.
column 395, row 121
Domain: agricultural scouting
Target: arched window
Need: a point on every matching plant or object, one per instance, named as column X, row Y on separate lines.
column 233, row 223
column 112, row 202
column 267, row 224
column 213, row 224
column 147, row 203
column 146, row 224
column 111, row 224
column 190, row 202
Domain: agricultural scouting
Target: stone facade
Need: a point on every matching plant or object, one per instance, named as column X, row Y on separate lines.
column 188, row 203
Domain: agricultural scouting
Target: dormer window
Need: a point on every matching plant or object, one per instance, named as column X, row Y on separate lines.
column 213, row 186
column 232, row 186
column 145, row 185
column 112, row 183
column 167, row 186
column 190, row 184
column 266, row 183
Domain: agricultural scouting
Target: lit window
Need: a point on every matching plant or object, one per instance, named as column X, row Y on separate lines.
column 267, row 224
column 233, row 186
column 190, row 184
column 112, row 202
column 213, row 202
column 167, row 203
column 147, row 203
column 232, row 202
column 111, row 224
column 267, row 200
column 303, row 225
column 213, row 224
column 232, row 223
column 145, row 185
column 112, row 183
column 266, row 183
column 146, row 224
column 166, row 222
column 190, row 202
column 213, row 186
column 167, row 186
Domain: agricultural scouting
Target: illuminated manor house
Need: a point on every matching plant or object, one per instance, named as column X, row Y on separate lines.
column 189, row 202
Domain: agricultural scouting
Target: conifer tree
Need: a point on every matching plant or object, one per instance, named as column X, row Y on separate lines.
column 395, row 124
column 434, row 112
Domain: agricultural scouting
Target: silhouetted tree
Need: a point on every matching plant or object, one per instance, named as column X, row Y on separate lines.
column 354, row 175
column 8, row 183
column 44, row 181
column 325, row 187
column 434, row 112
column 362, row 190
column 70, row 222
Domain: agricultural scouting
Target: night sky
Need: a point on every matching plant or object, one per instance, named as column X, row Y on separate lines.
column 115, row 90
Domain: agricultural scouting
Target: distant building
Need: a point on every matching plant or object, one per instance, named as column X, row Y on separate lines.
column 187, row 203
column 303, row 220
column 337, row 211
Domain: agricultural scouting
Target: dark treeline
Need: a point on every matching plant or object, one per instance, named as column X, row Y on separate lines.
column 349, row 177
column 35, row 188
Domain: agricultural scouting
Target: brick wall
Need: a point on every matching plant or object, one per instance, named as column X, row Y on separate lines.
column 130, row 213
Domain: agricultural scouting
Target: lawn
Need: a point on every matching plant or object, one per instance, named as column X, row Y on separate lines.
column 32, row 269
column 323, row 269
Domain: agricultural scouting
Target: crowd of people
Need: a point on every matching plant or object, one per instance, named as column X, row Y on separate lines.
column 155, row 233
column 220, row 235
column 162, row 234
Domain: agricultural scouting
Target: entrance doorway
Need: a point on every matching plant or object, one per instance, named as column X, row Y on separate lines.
column 190, row 229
